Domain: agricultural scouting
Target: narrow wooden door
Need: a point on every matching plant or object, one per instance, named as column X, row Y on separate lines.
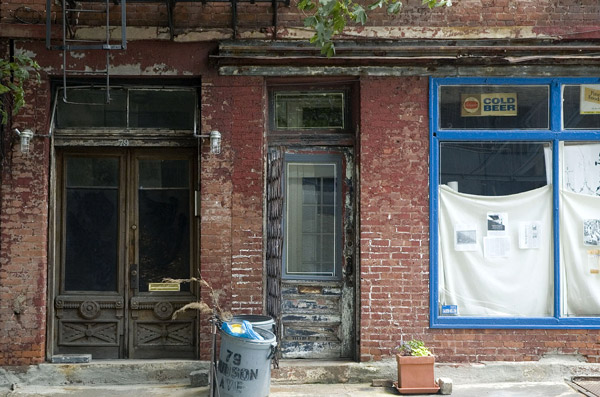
column 125, row 222
column 317, row 292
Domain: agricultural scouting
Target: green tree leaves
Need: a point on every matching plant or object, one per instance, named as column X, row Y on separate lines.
column 13, row 75
column 330, row 17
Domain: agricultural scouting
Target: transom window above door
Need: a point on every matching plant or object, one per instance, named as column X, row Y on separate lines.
column 310, row 110
column 131, row 108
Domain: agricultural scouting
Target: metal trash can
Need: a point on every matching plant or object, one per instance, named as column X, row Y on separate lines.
column 244, row 368
column 257, row 321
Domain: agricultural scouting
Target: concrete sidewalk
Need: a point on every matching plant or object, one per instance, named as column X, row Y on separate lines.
column 530, row 389
column 544, row 378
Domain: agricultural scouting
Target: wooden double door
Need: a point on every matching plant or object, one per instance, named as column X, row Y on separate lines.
column 124, row 221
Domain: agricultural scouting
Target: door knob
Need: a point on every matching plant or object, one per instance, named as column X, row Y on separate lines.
column 133, row 276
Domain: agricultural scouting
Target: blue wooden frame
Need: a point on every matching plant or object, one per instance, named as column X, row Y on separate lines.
column 554, row 134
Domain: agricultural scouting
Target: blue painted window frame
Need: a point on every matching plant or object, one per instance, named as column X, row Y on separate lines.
column 554, row 134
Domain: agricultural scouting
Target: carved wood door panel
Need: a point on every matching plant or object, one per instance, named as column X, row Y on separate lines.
column 124, row 222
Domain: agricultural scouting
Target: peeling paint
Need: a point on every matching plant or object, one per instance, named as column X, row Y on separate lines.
column 160, row 69
column 302, row 33
column 77, row 55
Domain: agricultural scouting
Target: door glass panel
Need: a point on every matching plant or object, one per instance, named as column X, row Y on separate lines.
column 91, row 224
column 164, row 221
column 311, row 215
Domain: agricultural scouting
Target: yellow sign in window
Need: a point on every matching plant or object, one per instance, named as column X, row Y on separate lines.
column 490, row 104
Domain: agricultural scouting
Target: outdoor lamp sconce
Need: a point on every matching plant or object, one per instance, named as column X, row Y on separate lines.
column 215, row 141
column 25, row 136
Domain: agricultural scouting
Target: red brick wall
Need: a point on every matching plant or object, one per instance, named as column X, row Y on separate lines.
column 394, row 234
column 394, row 212
column 232, row 191
column 395, row 237
column 472, row 13
column 23, row 242
column 231, row 257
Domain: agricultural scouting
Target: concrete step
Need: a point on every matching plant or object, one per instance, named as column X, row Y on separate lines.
column 104, row 372
column 290, row 372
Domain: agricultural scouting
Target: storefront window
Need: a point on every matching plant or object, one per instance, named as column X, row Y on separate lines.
column 495, row 208
column 494, row 107
column 580, row 227
column 515, row 204
column 581, row 105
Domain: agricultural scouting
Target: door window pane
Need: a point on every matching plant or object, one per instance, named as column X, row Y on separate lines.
column 91, row 224
column 164, row 221
column 494, row 107
column 312, row 213
column 164, row 174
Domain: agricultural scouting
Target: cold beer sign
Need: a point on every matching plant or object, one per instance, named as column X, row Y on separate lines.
column 491, row 104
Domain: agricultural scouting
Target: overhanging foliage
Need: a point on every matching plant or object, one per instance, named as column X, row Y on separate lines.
column 330, row 17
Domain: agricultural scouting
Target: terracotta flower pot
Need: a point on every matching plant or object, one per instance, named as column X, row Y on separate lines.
column 415, row 375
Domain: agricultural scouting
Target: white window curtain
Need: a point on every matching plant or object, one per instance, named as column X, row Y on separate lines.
column 517, row 284
column 580, row 209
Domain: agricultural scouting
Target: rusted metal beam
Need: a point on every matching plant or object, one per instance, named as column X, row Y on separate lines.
column 408, row 53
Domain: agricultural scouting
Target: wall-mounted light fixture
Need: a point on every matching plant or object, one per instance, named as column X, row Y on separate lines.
column 25, row 136
column 215, row 141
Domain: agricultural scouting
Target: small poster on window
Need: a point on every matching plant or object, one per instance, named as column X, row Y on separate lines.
column 496, row 247
column 496, row 223
column 465, row 238
column 529, row 235
column 589, row 99
column 593, row 261
column 591, row 232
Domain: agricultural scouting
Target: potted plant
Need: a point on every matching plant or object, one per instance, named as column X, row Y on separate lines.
column 415, row 368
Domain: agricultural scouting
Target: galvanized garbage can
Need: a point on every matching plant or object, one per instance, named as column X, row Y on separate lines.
column 257, row 321
column 244, row 368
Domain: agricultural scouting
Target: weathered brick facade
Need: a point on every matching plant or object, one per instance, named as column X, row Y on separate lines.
column 24, row 250
column 392, row 156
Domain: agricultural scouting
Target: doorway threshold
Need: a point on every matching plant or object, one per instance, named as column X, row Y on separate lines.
column 104, row 372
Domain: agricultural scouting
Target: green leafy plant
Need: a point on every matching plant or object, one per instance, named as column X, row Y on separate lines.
column 414, row 348
column 330, row 17
column 13, row 75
